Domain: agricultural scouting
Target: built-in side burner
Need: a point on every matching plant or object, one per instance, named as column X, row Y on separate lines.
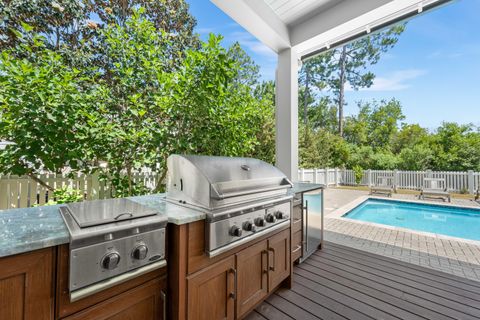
column 112, row 241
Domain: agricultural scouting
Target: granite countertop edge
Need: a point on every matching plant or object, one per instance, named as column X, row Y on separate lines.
column 29, row 229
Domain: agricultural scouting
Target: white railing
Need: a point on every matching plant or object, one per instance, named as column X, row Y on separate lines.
column 456, row 181
column 23, row 192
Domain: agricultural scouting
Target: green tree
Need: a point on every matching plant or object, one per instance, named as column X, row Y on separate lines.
column 376, row 124
column 265, row 147
column 131, row 112
column 313, row 78
column 248, row 70
column 349, row 64
column 43, row 112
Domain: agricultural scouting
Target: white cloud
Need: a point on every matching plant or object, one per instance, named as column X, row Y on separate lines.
column 247, row 40
column 396, row 81
column 205, row 30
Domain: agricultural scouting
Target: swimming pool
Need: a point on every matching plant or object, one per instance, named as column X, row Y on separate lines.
column 446, row 220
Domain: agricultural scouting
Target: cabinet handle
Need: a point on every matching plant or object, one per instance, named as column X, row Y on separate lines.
column 297, row 248
column 272, row 268
column 233, row 295
column 164, row 298
column 265, row 252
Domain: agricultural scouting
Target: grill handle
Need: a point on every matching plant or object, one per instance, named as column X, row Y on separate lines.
column 220, row 196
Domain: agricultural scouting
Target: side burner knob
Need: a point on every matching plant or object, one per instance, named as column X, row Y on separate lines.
column 140, row 252
column 111, row 260
column 235, row 231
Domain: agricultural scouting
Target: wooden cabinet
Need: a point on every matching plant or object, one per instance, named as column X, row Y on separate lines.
column 211, row 291
column 278, row 258
column 227, row 286
column 146, row 302
column 297, row 231
column 252, row 269
column 26, row 286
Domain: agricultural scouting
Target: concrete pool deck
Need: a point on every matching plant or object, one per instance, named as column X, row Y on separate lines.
column 451, row 255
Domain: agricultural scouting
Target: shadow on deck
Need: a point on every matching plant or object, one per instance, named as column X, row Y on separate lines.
column 340, row 282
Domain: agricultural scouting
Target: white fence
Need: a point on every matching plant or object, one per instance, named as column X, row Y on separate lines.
column 456, row 181
column 23, row 192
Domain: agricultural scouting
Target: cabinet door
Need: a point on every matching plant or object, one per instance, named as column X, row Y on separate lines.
column 211, row 292
column 144, row 302
column 278, row 258
column 252, row 277
column 26, row 287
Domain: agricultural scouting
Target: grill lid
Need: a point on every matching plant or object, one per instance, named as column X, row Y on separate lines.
column 216, row 182
column 93, row 213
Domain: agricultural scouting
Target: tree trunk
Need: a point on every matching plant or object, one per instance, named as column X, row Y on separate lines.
column 341, row 88
column 306, row 95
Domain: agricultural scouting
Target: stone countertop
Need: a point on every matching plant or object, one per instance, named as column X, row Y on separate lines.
column 24, row 230
column 29, row 229
column 300, row 187
column 176, row 214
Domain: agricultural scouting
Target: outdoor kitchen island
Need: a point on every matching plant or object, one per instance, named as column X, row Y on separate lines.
column 200, row 280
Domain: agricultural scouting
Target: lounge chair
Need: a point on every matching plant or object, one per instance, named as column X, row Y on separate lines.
column 435, row 188
column 384, row 186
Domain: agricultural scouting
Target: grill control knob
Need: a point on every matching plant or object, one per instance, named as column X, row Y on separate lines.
column 249, row 226
column 235, row 231
column 260, row 222
column 270, row 218
column 110, row 260
column 140, row 252
column 280, row 215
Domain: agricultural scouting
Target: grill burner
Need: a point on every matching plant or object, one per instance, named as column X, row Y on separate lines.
column 243, row 198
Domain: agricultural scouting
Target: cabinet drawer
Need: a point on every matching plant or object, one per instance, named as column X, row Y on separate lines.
column 297, row 225
column 297, row 213
column 296, row 239
column 296, row 245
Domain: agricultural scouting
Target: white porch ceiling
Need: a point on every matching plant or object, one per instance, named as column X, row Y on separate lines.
column 311, row 25
column 296, row 11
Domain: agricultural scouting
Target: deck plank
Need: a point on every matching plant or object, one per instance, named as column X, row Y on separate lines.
column 441, row 277
column 340, row 282
column 412, row 289
column 458, row 294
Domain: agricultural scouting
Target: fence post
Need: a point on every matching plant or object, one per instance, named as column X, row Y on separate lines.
column 471, row 182
column 395, row 180
column 315, row 175
column 369, row 177
column 302, row 175
column 336, row 177
column 95, row 187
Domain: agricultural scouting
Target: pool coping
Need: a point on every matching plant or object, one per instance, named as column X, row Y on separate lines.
column 340, row 212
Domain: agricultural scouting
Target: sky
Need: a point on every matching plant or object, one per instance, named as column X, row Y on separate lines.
column 434, row 70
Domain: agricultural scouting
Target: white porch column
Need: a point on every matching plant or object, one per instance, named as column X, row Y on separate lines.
column 287, row 113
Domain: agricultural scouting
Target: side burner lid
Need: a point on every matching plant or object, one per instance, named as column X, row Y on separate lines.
column 97, row 212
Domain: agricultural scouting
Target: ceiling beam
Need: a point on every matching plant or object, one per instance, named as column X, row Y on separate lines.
column 350, row 19
column 258, row 19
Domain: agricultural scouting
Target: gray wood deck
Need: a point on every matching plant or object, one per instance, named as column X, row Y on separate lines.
column 340, row 282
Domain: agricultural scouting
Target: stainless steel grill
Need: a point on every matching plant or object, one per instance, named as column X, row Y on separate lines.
column 243, row 198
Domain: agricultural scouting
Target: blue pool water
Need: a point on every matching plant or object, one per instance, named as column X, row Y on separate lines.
column 450, row 221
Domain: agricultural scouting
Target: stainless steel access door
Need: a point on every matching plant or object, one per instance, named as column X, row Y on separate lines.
column 313, row 208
